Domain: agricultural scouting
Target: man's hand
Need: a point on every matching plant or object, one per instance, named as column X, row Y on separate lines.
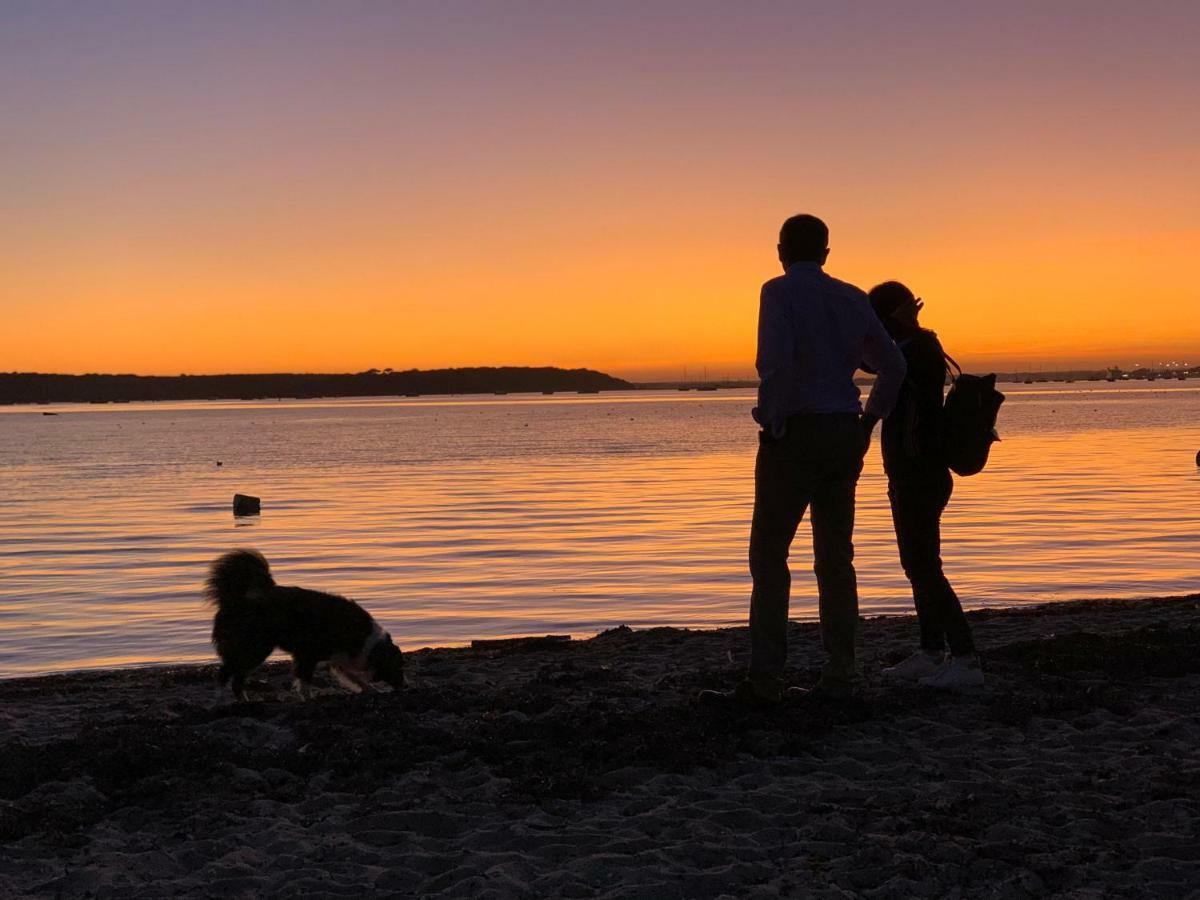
column 867, row 421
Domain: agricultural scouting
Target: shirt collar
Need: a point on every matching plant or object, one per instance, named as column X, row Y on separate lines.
column 807, row 265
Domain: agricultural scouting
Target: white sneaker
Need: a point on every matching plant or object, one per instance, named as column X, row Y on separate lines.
column 958, row 673
column 920, row 665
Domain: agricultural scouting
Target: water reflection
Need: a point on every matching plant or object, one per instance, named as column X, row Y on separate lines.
column 460, row 519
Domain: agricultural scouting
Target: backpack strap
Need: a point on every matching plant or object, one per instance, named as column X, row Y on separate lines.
column 952, row 367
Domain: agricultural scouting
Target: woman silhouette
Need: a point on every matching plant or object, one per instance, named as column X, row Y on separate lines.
column 919, row 487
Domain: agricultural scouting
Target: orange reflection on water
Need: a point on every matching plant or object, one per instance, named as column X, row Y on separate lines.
column 504, row 516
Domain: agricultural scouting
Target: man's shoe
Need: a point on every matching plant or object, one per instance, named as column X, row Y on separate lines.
column 841, row 679
column 920, row 665
column 958, row 673
column 752, row 695
column 836, row 689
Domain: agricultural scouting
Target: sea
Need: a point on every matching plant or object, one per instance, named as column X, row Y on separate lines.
column 456, row 518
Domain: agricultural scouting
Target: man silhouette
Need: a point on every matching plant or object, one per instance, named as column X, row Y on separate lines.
column 814, row 332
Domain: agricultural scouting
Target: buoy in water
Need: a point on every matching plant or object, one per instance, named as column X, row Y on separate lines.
column 245, row 505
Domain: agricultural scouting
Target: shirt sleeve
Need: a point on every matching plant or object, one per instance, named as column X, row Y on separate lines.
column 883, row 357
column 773, row 361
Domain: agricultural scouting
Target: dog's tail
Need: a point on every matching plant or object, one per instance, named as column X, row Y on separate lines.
column 238, row 577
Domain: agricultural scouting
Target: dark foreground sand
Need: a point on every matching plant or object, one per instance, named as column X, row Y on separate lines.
column 587, row 771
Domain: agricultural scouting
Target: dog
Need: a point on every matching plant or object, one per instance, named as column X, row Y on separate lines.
column 255, row 615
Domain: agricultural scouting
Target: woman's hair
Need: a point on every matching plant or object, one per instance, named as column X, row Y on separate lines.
column 886, row 298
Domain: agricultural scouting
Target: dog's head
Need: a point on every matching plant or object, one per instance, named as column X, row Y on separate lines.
column 385, row 662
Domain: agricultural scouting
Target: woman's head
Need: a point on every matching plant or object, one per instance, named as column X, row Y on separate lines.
column 895, row 305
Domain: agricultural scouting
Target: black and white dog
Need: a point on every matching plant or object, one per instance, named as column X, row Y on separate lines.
column 255, row 615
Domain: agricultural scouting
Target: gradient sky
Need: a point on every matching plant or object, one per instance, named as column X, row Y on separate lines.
column 206, row 187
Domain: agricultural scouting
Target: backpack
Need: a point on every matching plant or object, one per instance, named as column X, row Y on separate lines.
column 969, row 420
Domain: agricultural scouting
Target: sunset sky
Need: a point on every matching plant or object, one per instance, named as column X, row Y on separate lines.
column 210, row 187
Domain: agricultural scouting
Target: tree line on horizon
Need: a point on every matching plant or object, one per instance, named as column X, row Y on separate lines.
column 34, row 387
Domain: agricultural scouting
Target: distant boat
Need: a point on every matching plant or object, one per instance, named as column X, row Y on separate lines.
column 1029, row 381
column 683, row 388
column 589, row 391
column 547, row 393
column 412, row 395
column 49, row 414
column 707, row 387
column 500, row 393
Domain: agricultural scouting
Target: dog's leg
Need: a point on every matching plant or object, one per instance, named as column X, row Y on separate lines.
column 346, row 680
column 239, row 686
column 222, row 683
column 302, row 676
column 239, row 657
column 363, row 683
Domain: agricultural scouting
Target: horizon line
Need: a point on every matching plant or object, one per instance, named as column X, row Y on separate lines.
column 662, row 374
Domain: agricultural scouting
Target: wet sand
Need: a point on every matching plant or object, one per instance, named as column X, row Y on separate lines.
column 585, row 769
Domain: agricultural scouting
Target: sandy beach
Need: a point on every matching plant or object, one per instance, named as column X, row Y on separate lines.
column 585, row 769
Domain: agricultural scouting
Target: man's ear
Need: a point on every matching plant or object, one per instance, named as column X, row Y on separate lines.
column 825, row 256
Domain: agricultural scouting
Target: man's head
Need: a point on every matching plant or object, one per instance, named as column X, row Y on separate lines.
column 803, row 238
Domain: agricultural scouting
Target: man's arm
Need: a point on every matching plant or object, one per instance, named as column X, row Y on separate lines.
column 885, row 359
column 773, row 361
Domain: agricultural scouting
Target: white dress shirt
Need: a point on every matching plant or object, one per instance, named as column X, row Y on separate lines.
column 814, row 332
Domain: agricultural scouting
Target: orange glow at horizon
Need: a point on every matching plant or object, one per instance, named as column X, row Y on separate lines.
column 194, row 204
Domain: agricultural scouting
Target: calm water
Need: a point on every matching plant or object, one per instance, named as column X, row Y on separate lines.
column 452, row 519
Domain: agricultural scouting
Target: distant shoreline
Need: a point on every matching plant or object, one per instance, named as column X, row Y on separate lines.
column 36, row 388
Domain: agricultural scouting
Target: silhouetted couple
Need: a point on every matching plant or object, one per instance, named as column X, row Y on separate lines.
column 814, row 333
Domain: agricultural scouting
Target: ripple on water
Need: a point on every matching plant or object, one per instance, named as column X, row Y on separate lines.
column 453, row 520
